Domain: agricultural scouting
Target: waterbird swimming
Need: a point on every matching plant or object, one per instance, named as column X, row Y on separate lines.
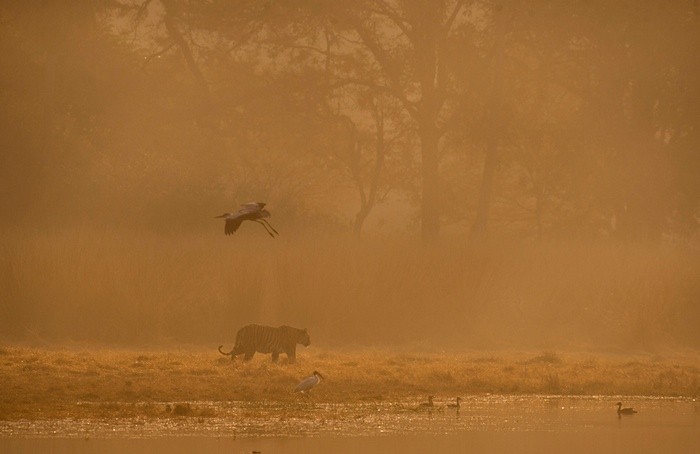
column 251, row 211
column 429, row 403
column 625, row 411
column 456, row 404
column 309, row 382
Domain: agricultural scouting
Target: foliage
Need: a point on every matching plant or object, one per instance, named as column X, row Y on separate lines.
column 546, row 119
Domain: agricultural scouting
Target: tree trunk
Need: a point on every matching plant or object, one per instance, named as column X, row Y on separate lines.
column 479, row 226
column 185, row 50
column 367, row 203
column 430, row 204
column 359, row 221
column 493, row 122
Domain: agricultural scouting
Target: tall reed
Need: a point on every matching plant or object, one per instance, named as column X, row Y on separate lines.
column 139, row 287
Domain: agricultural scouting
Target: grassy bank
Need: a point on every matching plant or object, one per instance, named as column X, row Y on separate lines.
column 88, row 383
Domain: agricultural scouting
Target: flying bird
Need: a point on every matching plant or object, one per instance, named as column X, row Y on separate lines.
column 309, row 382
column 624, row 411
column 252, row 211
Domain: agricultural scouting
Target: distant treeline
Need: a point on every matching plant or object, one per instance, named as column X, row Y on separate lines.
column 547, row 119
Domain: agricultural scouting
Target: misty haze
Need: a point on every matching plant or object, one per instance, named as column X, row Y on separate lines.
column 486, row 199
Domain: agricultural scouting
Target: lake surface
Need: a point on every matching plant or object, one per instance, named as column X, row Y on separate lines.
column 489, row 423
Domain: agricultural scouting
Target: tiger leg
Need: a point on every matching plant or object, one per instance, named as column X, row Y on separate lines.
column 236, row 351
column 275, row 356
column 249, row 355
column 291, row 357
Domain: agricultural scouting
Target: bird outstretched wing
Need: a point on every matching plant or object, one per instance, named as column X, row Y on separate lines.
column 232, row 225
column 251, row 207
column 251, row 211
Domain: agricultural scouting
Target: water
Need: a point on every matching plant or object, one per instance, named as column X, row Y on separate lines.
column 489, row 423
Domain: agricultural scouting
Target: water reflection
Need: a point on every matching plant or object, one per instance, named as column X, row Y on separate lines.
column 561, row 420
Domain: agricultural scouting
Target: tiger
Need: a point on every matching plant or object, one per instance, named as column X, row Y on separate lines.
column 268, row 339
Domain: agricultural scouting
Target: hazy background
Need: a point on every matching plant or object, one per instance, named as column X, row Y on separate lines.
column 443, row 174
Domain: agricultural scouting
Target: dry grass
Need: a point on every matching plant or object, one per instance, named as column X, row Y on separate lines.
column 87, row 383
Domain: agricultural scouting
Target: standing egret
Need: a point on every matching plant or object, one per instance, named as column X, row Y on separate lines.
column 309, row 382
column 252, row 211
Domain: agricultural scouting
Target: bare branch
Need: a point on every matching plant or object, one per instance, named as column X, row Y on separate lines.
column 157, row 54
column 386, row 63
column 323, row 52
column 179, row 40
column 411, row 107
column 142, row 9
column 386, row 10
column 453, row 16
column 361, row 82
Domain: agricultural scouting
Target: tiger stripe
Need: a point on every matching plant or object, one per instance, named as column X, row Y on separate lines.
column 268, row 339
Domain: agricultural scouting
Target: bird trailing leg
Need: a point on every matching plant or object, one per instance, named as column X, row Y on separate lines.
column 270, row 225
column 266, row 229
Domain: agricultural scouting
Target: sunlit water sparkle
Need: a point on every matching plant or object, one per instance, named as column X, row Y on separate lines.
column 308, row 418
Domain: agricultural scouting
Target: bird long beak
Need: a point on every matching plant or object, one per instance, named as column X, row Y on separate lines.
column 222, row 216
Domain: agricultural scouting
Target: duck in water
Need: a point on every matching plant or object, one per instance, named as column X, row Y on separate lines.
column 428, row 404
column 456, row 404
column 624, row 411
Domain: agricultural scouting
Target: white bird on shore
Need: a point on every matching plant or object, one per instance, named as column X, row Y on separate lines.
column 309, row 382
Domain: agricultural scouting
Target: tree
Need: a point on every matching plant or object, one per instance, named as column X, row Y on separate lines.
column 54, row 75
column 402, row 48
column 642, row 110
column 364, row 153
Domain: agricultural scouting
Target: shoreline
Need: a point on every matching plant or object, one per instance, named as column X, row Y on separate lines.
column 40, row 383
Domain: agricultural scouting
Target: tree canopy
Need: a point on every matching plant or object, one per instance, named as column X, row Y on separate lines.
column 529, row 119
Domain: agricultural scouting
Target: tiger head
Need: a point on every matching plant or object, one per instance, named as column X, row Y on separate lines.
column 304, row 338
